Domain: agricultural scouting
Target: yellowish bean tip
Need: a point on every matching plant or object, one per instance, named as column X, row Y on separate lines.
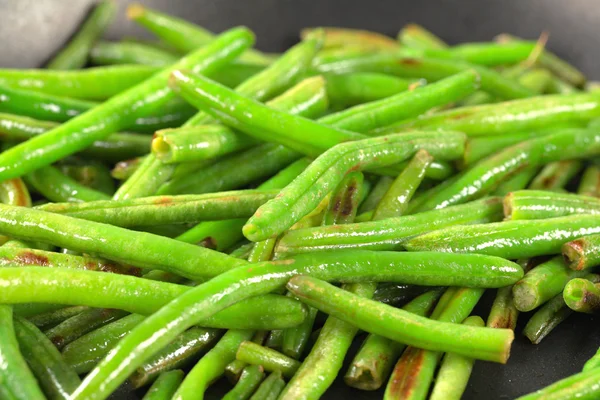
column 507, row 346
column 507, row 206
column 174, row 77
column 135, row 11
column 161, row 148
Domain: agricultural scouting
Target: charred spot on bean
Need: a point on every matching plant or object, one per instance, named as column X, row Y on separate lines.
column 410, row 61
column 31, row 258
column 209, row 242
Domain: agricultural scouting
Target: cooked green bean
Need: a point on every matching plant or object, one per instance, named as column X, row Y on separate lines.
column 80, row 324
column 376, row 194
column 487, row 173
column 249, row 380
column 124, row 169
column 390, row 233
column 17, row 381
column 109, row 53
column 482, row 343
column 582, row 253
column 344, row 201
column 303, row 195
column 270, row 359
column 212, row 365
column 270, row 388
column 41, row 105
column 57, row 379
column 52, row 318
column 116, row 147
column 582, row 295
column 346, row 90
column 120, row 110
column 538, row 204
column 98, row 83
column 518, row 182
column 555, row 175
column 581, row 386
column 453, row 307
column 75, row 54
column 180, row 34
column 590, row 182
column 204, row 300
column 416, row 36
column 165, row 385
column 377, row 355
column 163, row 210
column 94, row 175
column 510, row 116
column 454, row 373
column 118, row 244
column 340, row 37
column 56, row 186
column 592, row 363
column 546, row 318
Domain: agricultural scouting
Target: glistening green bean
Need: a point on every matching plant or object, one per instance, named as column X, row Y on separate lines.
column 56, row 186
column 345, row 90
column 538, row 204
column 120, row 110
column 583, row 386
column 582, row 253
column 270, row 359
column 592, row 363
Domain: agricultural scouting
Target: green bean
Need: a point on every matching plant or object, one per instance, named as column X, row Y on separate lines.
column 395, row 201
column 511, row 116
column 269, row 82
column 24, row 257
column 180, row 34
column 14, row 192
column 590, row 182
column 181, row 352
column 283, row 312
column 413, row 373
column 345, row 90
column 17, row 381
column 377, row 355
column 556, row 175
column 257, row 162
column 546, row 318
column 406, row 65
column 74, row 55
column 270, row 388
column 553, row 63
column 518, row 182
column 396, row 294
column 592, row 363
column 250, row 379
column 340, row 37
column 582, row 295
column 266, row 277
column 455, row 371
column 94, row 175
column 270, row 359
column 119, row 111
column 165, row 385
column 236, row 73
column 109, row 53
column 80, row 324
column 52, row 318
column 327, row 171
column 581, row 386
column 407, row 104
column 537, row 80
column 415, row 36
column 388, row 234
column 41, row 105
column 493, row 54
column 542, row 283
column 582, row 253
column 489, row 172
column 124, row 169
column 376, row 194
column 116, row 147
column 173, row 113
column 212, row 365
column 55, row 377
column 56, row 186
column 344, row 202
column 97, row 83
column 118, row 244
column 204, row 141
column 538, row 204
column 503, row 313
column 162, row 210
column 482, row 343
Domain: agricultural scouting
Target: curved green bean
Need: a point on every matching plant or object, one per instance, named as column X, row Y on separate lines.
column 57, row 379
column 120, row 110
column 74, row 55
column 592, row 363
column 582, row 386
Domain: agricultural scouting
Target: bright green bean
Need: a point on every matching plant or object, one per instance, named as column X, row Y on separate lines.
column 120, row 110
column 270, row 359
column 74, row 55
column 55, row 377
column 391, row 233
column 165, row 385
column 303, row 195
column 109, row 53
column 249, row 380
column 582, row 295
column 16, row 380
column 581, row 386
column 56, row 186
column 483, row 176
column 346, row 90
column 592, row 363
column 493, row 54
column 538, row 204
column 517, row 182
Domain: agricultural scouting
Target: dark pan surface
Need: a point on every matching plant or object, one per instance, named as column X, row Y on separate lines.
column 32, row 30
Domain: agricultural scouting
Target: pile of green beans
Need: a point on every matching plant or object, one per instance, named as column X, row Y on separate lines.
column 386, row 183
